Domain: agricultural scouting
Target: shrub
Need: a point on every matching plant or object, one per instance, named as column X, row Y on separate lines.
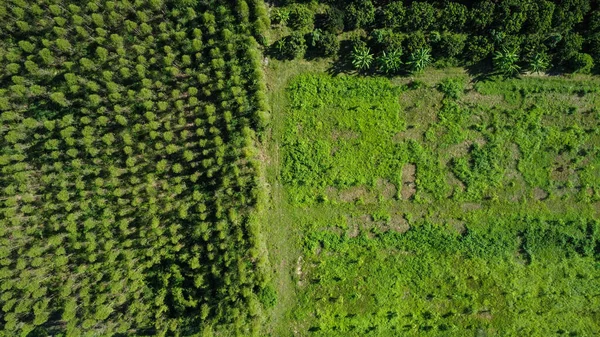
column 482, row 15
column 301, row 17
column 334, row 20
column 505, row 62
column 478, row 48
column 327, row 44
column 280, row 15
column 452, row 87
column 421, row 16
column 451, row 45
column 393, row 14
column 539, row 62
column 359, row 13
column 593, row 46
column 291, row 46
column 387, row 39
column 568, row 47
column 454, row 17
column 581, row 63
column 415, row 41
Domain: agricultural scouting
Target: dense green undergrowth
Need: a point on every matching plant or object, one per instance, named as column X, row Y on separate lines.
column 486, row 223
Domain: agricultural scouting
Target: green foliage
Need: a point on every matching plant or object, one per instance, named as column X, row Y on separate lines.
column 390, row 62
column 393, row 15
column 539, row 62
column 359, row 13
column 421, row 15
column 505, row 63
column 452, row 87
column 451, row 45
column 291, row 46
column 467, row 33
column 327, row 44
column 362, row 59
column 300, row 17
column 419, row 59
column 340, row 139
column 334, row 20
column 581, row 63
column 280, row 15
column 497, row 214
column 478, row 48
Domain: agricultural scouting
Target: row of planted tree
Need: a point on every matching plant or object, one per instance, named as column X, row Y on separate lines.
column 535, row 35
column 128, row 174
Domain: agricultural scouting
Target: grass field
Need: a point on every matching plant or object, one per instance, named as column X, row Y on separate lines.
column 433, row 205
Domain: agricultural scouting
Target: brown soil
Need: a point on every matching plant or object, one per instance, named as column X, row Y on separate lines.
column 353, row 193
column 539, row 194
column 386, row 188
column 409, row 188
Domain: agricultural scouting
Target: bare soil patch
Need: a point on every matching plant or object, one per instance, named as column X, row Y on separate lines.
column 409, row 187
column 539, row 194
column 471, row 206
column 352, row 194
column 386, row 188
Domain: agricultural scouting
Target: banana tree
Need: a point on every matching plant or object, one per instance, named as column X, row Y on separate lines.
column 361, row 58
column 539, row 62
column 390, row 62
column 505, row 62
column 420, row 59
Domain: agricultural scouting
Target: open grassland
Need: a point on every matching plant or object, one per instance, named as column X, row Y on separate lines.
column 434, row 205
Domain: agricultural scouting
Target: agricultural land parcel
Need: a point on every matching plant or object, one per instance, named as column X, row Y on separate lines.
column 434, row 206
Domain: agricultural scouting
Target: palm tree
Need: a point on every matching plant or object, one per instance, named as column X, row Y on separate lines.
column 390, row 62
column 420, row 59
column 505, row 62
column 362, row 58
column 539, row 62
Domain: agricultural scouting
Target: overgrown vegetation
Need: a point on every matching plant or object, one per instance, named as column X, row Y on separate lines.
column 485, row 223
column 128, row 168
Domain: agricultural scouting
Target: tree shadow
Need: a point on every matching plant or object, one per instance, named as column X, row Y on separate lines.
column 481, row 70
column 342, row 64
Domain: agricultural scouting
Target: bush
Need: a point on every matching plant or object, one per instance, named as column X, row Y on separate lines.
column 451, row 45
column 421, row 16
column 478, row 48
column 454, row 17
column 452, row 87
column 419, row 60
column 570, row 45
column 415, row 41
column 292, row 46
column 301, row 17
column 359, row 13
column 328, row 44
column 362, row 59
column 482, row 15
column 581, row 63
column 392, row 15
column 593, row 46
column 386, row 39
column 334, row 20
column 280, row 15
